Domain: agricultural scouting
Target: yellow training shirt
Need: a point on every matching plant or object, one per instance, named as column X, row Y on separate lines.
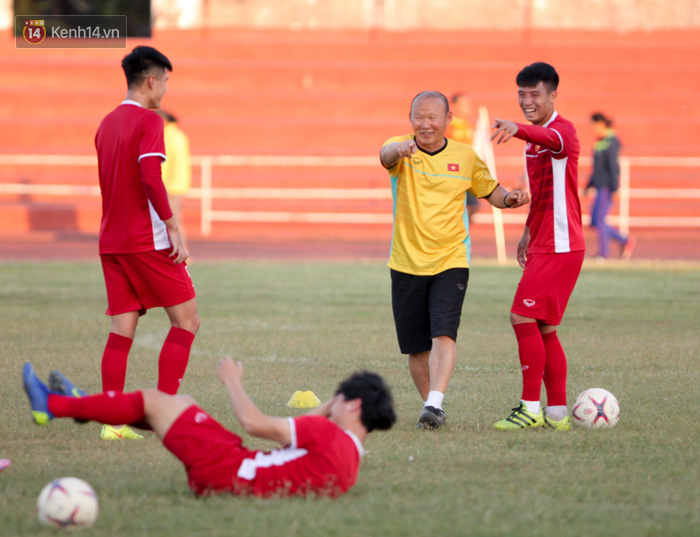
column 431, row 229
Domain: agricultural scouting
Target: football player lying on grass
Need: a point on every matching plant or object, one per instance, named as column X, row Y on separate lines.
column 321, row 450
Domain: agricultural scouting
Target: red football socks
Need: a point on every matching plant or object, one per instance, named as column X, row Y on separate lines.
column 112, row 408
column 114, row 362
column 173, row 359
column 555, row 369
column 532, row 359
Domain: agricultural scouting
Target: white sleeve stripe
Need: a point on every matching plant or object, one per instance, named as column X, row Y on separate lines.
column 292, row 433
column 561, row 141
column 161, row 155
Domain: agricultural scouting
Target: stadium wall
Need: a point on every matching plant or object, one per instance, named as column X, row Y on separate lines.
column 401, row 15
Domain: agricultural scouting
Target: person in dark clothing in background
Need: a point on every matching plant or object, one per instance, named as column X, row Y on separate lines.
column 605, row 180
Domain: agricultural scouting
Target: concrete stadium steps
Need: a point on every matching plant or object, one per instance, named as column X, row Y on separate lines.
column 339, row 93
column 324, row 103
column 356, row 80
column 320, row 135
column 347, row 177
column 45, row 213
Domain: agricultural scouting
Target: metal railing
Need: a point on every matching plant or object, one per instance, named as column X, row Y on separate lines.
column 208, row 193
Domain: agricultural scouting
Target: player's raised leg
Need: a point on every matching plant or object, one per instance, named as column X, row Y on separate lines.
column 109, row 407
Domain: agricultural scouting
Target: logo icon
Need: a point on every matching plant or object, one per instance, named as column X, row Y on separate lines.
column 528, row 302
column 417, row 160
column 34, row 31
column 453, row 167
column 460, row 286
column 200, row 417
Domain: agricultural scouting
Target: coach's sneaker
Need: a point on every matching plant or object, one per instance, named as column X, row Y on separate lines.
column 38, row 395
column 560, row 425
column 110, row 432
column 520, row 418
column 60, row 384
column 431, row 418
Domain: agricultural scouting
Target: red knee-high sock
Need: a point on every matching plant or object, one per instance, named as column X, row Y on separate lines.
column 114, row 362
column 555, row 369
column 173, row 359
column 112, row 408
column 532, row 359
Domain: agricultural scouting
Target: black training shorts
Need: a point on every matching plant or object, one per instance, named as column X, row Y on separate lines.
column 427, row 306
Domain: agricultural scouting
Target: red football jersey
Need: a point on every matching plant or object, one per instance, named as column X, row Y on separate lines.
column 552, row 153
column 133, row 206
column 322, row 458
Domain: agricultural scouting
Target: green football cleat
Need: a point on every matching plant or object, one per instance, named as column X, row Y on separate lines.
column 110, row 432
column 561, row 425
column 520, row 418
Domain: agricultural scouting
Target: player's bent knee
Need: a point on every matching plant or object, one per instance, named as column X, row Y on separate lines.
column 187, row 400
column 195, row 323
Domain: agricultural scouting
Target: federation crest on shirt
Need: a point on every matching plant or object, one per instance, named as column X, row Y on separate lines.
column 453, row 167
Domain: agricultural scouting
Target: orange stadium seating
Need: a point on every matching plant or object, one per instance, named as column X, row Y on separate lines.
column 279, row 92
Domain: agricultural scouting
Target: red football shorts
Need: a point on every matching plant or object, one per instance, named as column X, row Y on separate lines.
column 144, row 280
column 546, row 286
column 211, row 454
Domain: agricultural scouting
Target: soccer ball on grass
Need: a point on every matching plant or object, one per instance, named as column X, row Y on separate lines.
column 67, row 502
column 596, row 408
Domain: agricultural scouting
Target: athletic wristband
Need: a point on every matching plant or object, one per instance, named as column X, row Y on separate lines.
column 504, row 200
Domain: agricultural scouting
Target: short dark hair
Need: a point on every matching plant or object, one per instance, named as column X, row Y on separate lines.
column 377, row 402
column 139, row 63
column 600, row 117
column 431, row 95
column 538, row 72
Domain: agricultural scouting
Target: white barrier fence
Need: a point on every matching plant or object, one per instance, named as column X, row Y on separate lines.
column 207, row 193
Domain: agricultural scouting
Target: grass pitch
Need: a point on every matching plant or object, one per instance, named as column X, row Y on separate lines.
column 631, row 330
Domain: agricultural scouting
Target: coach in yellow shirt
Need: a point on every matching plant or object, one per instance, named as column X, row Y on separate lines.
column 430, row 249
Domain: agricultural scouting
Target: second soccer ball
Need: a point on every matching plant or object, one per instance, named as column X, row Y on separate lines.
column 596, row 408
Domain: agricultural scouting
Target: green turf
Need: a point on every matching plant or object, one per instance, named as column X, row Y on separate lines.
column 304, row 326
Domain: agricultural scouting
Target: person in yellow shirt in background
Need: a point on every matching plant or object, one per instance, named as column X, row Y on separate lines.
column 461, row 129
column 176, row 170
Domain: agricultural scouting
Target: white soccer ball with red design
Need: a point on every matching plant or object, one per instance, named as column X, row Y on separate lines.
column 596, row 408
column 67, row 502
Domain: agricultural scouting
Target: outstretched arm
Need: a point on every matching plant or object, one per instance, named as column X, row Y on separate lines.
column 395, row 151
column 253, row 421
column 535, row 134
column 505, row 130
